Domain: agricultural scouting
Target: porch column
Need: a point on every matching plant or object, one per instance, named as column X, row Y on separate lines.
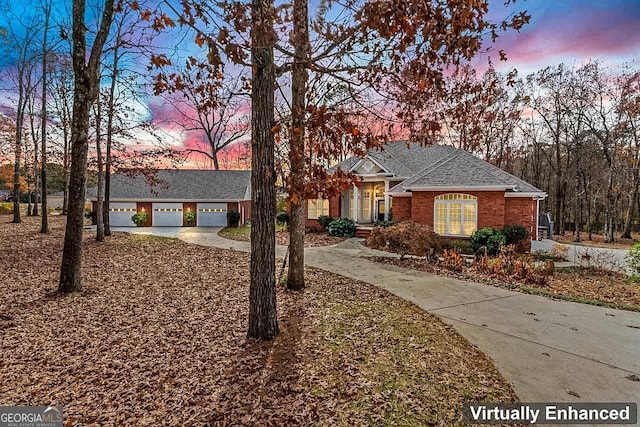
column 355, row 203
column 386, row 199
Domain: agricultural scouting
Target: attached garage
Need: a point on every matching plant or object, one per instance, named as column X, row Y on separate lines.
column 120, row 214
column 212, row 214
column 167, row 214
column 167, row 196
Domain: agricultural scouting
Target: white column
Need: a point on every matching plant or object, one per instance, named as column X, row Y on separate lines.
column 356, row 196
column 386, row 199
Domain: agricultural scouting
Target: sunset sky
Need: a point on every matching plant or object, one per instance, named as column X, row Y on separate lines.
column 569, row 31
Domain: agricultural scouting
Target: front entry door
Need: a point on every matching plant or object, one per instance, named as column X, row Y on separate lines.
column 381, row 210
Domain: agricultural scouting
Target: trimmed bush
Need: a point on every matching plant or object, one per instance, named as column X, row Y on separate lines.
column 342, row 227
column 282, row 218
column 406, row 238
column 324, row 221
column 515, row 233
column 139, row 218
column 633, row 260
column 488, row 237
column 93, row 216
column 233, row 218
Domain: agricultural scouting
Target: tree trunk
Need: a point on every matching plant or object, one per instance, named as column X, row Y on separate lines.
column 43, row 132
column 67, row 171
column 626, row 233
column 300, row 40
column 99, row 211
column 18, row 154
column 263, row 320
column 86, row 87
column 576, row 203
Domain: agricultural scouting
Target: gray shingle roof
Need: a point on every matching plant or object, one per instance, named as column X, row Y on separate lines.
column 183, row 184
column 403, row 158
column 438, row 166
column 463, row 169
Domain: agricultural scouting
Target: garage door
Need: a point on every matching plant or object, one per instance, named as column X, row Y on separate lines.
column 167, row 214
column 212, row 214
column 120, row 214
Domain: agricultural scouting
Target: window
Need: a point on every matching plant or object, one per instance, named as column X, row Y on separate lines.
column 122, row 210
column 167, row 210
column 317, row 207
column 211, row 210
column 455, row 214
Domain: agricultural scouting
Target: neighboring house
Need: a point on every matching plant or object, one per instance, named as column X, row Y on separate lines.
column 209, row 194
column 449, row 189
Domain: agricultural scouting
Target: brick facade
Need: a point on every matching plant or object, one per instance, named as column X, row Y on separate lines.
column 401, row 209
column 334, row 212
column 494, row 209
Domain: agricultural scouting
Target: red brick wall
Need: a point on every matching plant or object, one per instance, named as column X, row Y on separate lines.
column 522, row 211
column 334, row 211
column 401, row 208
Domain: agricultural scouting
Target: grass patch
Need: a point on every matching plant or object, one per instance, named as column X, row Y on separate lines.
column 241, row 233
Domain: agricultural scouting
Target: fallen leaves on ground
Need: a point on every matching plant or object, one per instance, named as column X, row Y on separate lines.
column 597, row 240
column 588, row 284
column 158, row 337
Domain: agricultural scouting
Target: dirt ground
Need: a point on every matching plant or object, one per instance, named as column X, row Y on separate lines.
column 158, row 337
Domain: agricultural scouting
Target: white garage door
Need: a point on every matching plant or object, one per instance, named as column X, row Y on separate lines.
column 212, row 214
column 120, row 214
column 167, row 214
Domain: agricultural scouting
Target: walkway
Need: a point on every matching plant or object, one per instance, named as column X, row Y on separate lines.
column 549, row 350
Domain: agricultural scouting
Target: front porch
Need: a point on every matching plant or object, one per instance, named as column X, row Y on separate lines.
column 367, row 202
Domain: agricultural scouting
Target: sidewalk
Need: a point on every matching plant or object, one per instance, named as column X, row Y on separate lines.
column 549, row 350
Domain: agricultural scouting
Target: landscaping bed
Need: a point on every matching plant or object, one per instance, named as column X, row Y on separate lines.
column 158, row 337
column 591, row 286
column 311, row 240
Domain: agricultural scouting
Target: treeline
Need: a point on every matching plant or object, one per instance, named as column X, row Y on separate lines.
column 572, row 131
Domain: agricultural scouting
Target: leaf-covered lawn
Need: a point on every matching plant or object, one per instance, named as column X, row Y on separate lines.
column 311, row 240
column 157, row 337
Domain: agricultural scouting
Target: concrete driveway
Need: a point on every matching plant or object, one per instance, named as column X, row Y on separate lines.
column 549, row 350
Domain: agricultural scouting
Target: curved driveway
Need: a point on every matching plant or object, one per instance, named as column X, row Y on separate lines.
column 549, row 350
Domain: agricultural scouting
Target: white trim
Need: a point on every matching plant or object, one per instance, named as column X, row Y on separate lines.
column 448, row 204
column 520, row 194
column 408, row 194
column 175, row 200
column 463, row 188
column 362, row 160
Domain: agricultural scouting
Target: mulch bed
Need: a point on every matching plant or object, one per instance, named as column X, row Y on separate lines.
column 589, row 284
column 158, row 337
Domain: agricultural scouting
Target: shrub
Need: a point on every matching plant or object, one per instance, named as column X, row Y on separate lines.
column 490, row 238
column 342, row 227
column 463, row 246
column 93, row 216
column 190, row 217
column 6, row 208
column 324, row 221
column 282, row 218
column 633, row 260
column 406, row 238
column 139, row 218
column 233, row 218
column 559, row 252
column 515, row 233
